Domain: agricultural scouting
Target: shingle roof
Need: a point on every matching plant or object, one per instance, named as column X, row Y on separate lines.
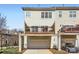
column 49, row 9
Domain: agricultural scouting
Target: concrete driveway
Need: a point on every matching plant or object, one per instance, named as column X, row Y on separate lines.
column 37, row 51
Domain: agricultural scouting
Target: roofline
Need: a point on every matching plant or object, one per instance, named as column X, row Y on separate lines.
column 48, row 9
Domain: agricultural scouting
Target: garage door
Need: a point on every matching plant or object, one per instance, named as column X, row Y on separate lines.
column 38, row 43
column 70, row 40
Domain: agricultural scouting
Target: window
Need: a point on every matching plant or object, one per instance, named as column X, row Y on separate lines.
column 44, row 28
column 50, row 14
column 42, row 14
column 72, row 14
column 46, row 14
column 34, row 28
column 60, row 13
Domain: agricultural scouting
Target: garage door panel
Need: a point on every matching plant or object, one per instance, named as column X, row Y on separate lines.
column 39, row 43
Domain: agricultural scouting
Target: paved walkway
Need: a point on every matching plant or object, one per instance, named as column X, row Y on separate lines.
column 37, row 51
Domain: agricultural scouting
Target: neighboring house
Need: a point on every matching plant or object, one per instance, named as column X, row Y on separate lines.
column 8, row 38
column 53, row 27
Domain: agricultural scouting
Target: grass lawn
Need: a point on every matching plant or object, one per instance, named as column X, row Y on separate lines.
column 54, row 51
column 10, row 50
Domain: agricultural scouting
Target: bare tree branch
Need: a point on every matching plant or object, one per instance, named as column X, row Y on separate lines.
column 2, row 22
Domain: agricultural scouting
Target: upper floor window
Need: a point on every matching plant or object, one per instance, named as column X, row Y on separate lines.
column 42, row 14
column 50, row 14
column 60, row 13
column 72, row 14
column 46, row 14
column 34, row 28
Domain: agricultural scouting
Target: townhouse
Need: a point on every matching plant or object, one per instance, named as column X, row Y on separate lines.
column 51, row 27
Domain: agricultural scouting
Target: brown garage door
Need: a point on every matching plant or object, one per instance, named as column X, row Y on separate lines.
column 38, row 43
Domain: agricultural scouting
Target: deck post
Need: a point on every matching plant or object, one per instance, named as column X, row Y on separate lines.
column 52, row 37
column 25, row 41
column 59, row 44
column 20, row 44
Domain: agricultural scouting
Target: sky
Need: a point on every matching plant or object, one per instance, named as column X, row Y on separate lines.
column 15, row 14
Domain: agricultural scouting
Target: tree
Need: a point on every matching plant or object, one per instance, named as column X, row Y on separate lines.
column 2, row 22
column 2, row 26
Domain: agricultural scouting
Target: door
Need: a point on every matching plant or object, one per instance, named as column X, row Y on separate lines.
column 70, row 41
column 39, row 43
